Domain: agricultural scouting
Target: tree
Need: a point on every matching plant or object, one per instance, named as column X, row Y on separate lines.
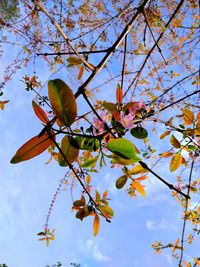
column 147, row 53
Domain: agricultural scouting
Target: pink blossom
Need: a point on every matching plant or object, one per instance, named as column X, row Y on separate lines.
column 127, row 120
column 100, row 124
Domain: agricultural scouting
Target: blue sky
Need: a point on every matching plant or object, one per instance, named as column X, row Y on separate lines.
column 26, row 190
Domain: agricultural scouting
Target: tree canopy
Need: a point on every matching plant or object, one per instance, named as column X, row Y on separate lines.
column 129, row 99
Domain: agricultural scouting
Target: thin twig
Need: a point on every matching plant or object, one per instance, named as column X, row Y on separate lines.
column 144, row 165
column 63, row 34
column 185, row 211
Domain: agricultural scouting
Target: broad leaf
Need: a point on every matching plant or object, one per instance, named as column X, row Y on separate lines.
column 69, row 147
column 96, row 224
column 62, row 101
column 175, row 143
column 139, row 132
column 107, row 211
column 176, row 162
column 33, row 147
column 39, row 112
column 109, row 106
column 85, row 143
column 123, row 148
column 121, row 181
column 188, row 116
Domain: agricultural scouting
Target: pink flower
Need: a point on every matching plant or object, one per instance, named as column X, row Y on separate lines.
column 100, row 124
column 127, row 120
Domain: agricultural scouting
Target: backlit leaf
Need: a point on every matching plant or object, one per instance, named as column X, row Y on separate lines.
column 197, row 262
column 137, row 169
column 62, row 101
column 138, row 187
column 188, row 116
column 107, row 211
column 166, row 154
column 96, row 224
column 69, row 147
column 175, row 162
column 90, row 163
column 81, row 71
column 119, row 94
column 139, row 132
column 123, row 148
column 74, row 61
column 109, row 106
column 33, row 148
column 175, row 143
column 88, row 143
column 39, row 112
column 121, row 181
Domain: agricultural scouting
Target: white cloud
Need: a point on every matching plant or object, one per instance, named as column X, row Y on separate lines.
column 92, row 248
column 163, row 224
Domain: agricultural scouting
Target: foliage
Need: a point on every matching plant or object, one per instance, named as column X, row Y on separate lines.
column 150, row 52
column 9, row 10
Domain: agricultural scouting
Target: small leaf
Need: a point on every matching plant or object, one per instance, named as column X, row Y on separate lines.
column 139, row 132
column 109, row 106
column 107, row 211
column 96, row 224
column 39, row 112
column 119, row 94
column 123, row 148
column 175, row 162
column 121, row 181
column 175, row 245
column 188, row 116
column 62, row 101
column 2, row 104
column 105, row 194
column 74, row 61
column 163, row 135
column 85, row 143
column 90, row 163
column 166, row 154
column 138, row 187
column 175, row 143
column 33, row 148
column 69, row 147
column 81, row 71
column 137, row 169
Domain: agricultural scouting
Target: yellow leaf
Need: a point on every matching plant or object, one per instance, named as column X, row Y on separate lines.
column 197, row 262
column 62, row 101
column 137, row 169
column 96, row 224
column 175, row 143
column 2, row 104
column 188, row 116
column 164, row 134
column 33, row 147
column 175, row 245
column 175, row 162
column 138, row 187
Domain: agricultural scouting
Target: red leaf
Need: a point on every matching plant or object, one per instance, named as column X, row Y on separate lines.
column 39, row 112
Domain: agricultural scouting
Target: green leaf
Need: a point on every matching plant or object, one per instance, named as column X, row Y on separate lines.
column 85, row 143
column 90, row 163
column 107, row 210
column 123, row 148
column 109, row 106
column 69, row 146
column 121, row 181
column 139, row 132
column 62, row 101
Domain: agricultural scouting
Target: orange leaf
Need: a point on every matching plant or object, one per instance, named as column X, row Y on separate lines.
column 80, row 74
column 141, row 178
column 138, row 187
column 119, row 94
column 33, row 147
column 96, row 224
column 197, row 262
column 175, row 162
column 175, row 245
column 188, row 116
column 105, row 194
column 166, row 154
column 2, row 104
column 39, row 112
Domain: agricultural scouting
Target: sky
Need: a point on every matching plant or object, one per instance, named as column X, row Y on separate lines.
column 26, row 191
